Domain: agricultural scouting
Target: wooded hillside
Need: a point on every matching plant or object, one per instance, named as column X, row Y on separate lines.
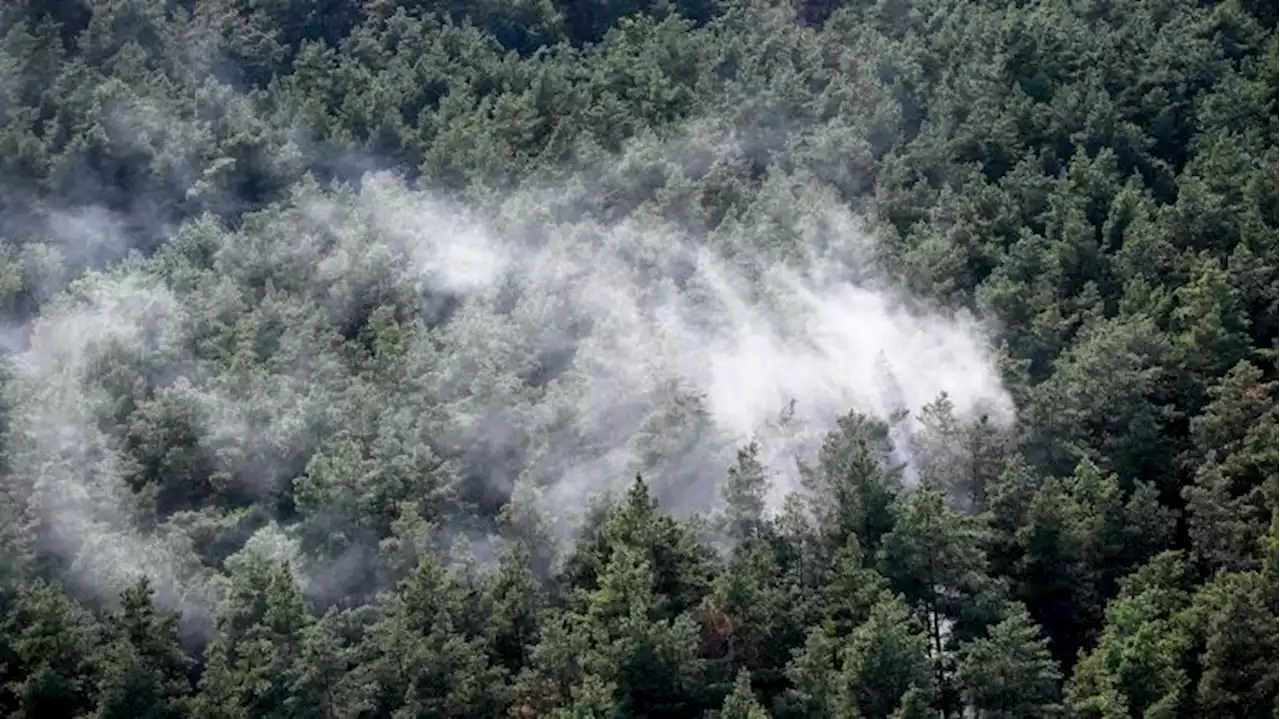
column 638, row 358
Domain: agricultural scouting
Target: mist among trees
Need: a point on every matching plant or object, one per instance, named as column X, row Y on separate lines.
column 587, row 359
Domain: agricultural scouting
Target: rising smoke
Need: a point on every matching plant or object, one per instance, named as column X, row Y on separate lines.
column 525, row 342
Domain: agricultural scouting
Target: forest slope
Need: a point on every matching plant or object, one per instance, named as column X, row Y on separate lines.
column 585, row 358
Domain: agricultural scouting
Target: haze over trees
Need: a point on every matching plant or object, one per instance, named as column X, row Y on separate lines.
column 588, row 358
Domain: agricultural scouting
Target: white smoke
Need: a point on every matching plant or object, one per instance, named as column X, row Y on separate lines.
column 111, row 330
column 564, row 355
column 747, row 337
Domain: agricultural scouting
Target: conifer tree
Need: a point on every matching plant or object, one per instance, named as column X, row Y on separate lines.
column 142, row 665
column 742, row 702
column 1009, row 673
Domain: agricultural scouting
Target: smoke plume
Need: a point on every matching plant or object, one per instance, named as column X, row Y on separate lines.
column 381, row 338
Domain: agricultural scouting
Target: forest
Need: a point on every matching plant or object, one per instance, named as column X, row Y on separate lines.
column 587, row 359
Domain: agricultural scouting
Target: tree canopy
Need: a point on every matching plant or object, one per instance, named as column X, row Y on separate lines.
column 619, row 358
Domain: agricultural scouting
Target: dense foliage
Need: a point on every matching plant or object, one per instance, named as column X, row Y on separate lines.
column 272, row 448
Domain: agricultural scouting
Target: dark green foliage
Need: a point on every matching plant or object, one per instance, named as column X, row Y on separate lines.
column 245, row 365
column 49, row 643
column 142, row 666
column 1009, row 673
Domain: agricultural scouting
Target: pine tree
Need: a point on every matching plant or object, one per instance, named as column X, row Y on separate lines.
column 851, row 488
column 142, row 663
column 885, row 659
column 957, row 457
column 592, row 699
column 653, row 660
column 1239, row 674
column 1009, row 673
column 1139, row 663
column 254, row 660
column 1057, row 574
column 518, row 602
column 744, row 496
column 427, row 655
column 750, row 619
column 934, row 558
column 915, row 704
column 682, row 564
column 742, row 702
column 48, row 643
